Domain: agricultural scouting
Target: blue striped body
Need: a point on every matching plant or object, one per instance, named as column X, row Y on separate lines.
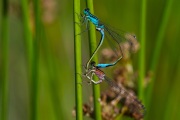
column 92, row 18
column 99, row 27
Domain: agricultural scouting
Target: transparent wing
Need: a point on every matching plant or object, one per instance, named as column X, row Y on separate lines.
column 118, row 35
column 136, row 105
column 116, row 39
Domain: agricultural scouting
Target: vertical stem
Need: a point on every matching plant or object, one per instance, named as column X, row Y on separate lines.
column 78, row 70
column 27, row 32
column 158, row 46
column 4, row 68
column 35, row 58
column 28, row 36
column 142, row 51
column 93, row 45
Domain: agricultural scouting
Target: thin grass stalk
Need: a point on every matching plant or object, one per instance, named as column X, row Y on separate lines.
column 78, row 61
column 93, row 45
column 28, row 36
column 4, row 69
column 158, row 47
column 35, row 59
column 142, row 51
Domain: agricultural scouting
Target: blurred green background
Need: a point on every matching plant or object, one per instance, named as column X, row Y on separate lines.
column 55, row 87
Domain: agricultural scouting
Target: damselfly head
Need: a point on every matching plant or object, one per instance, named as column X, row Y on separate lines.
column 93, row 63
column 86, row 11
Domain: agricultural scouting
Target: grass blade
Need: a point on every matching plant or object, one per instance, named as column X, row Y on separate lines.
column 93, row 45
column 4, row 69
column 78, row 69
column 142, row 51
column 35, row 59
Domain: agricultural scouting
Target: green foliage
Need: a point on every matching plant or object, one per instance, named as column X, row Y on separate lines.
column 37, row 58
column 93, row 45
column 4, row 48
column 77, row 53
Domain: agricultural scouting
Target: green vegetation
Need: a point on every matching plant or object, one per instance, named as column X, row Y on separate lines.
column 78, row 61
column 40, row 74
column 93, row 45
column 4, row 48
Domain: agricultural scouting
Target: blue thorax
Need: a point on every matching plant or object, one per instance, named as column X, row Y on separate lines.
column 92, row 18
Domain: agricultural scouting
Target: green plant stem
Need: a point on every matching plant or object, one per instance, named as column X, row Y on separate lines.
column 78, row 69
column 35, row 59
column 142, row 51
column 93, row 45
column 158, row 47
column 28, row 34
column 4, row 68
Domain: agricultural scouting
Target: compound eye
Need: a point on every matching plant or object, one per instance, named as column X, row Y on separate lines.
column 87, row 9
column 93, row 63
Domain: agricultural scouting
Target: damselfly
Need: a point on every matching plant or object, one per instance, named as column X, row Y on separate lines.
column 138, row 107
column 114, row 38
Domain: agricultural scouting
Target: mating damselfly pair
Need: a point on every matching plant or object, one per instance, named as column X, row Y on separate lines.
column 115, row 39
